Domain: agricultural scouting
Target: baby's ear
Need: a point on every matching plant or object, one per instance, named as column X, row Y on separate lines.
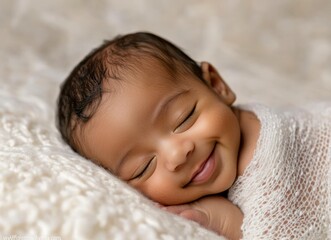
column 216, row 82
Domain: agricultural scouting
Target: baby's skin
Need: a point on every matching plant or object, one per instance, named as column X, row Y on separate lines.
column 213, row 212
column 177, row 139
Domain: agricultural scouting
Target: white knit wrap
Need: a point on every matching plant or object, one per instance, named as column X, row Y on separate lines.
column 285, row 191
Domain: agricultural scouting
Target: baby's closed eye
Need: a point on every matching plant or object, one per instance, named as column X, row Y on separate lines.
column 143, row 169
column 186, row 120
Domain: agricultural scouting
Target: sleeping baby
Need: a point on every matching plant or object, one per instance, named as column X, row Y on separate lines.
column 144, row 110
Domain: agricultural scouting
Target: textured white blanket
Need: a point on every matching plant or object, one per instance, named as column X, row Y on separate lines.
column 274, row 52
column 47, row 190
column 285, row 192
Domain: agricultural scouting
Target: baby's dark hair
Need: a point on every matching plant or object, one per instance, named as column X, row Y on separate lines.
column 81, row 92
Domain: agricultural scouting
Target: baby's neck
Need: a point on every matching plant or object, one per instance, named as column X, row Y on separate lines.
column 250, row 130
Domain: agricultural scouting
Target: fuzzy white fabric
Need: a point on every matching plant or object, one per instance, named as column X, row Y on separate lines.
column 274, row 52
column 285, row 192
column 47, row 190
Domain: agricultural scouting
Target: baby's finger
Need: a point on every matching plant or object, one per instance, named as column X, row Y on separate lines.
column 196, row 216
column 156, row 204
column 177, row 209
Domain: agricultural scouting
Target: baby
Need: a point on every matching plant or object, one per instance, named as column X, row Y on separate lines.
column 147, row 112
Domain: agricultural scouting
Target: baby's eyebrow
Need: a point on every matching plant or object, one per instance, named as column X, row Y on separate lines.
column 165, row 103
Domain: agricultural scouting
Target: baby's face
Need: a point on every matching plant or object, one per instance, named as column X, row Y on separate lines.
column 175, row 140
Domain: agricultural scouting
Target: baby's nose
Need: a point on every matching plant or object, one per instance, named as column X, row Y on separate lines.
column 177, row 153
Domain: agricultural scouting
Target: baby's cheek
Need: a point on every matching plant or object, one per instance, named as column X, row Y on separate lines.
column 158, row 190
column 162, row 192
column 208, row 123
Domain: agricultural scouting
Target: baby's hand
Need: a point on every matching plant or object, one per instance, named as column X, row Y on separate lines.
column 213, row 212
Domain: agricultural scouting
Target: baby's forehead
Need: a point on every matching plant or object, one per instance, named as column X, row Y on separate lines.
column 146, row 68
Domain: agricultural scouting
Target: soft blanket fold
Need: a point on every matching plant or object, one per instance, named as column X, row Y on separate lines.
column 285, row 191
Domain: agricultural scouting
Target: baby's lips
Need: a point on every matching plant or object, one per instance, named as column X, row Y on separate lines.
column 206, row 169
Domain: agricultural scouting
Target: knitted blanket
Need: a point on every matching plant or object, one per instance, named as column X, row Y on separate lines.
column 285, row 191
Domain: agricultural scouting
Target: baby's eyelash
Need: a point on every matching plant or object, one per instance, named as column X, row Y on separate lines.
column 144, row 170
column 189, row 115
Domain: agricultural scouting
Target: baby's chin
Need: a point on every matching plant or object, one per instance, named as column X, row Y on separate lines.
column 187, row 198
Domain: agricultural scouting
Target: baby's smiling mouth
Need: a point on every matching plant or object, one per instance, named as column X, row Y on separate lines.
column 205, row 171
